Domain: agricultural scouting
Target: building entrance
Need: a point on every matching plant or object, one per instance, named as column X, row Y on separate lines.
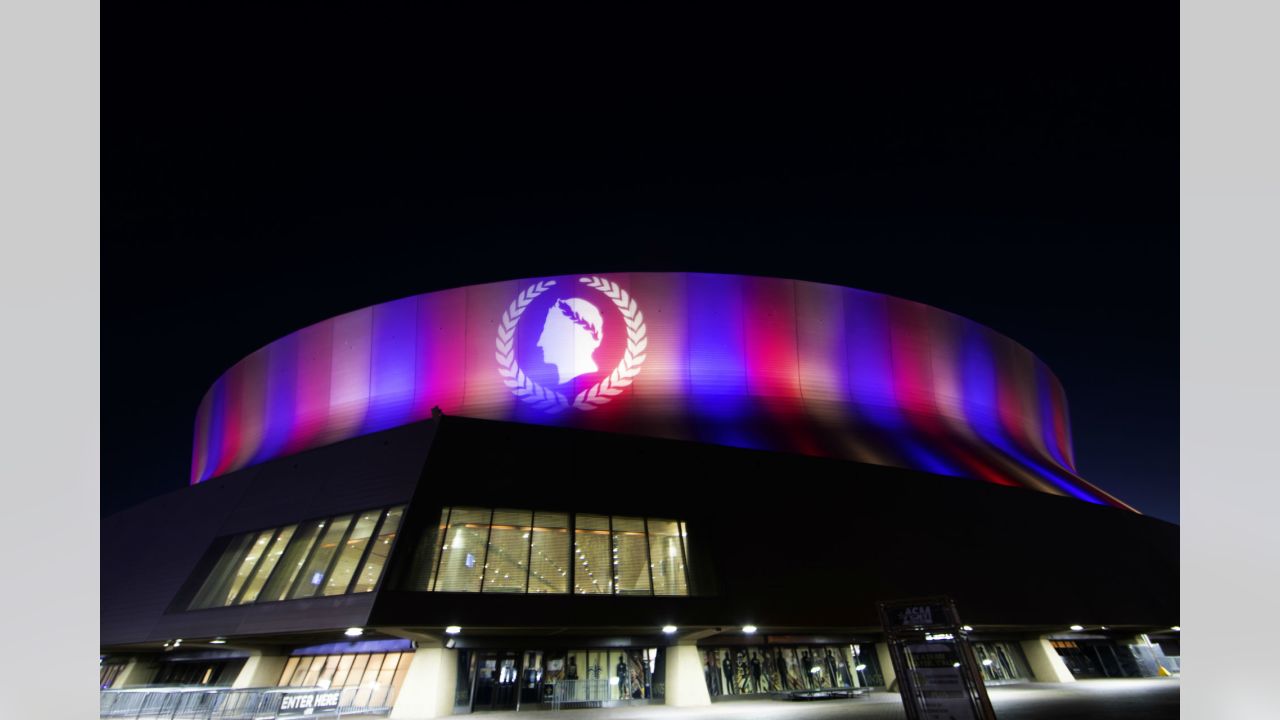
column 497, row 676
column 529, row 679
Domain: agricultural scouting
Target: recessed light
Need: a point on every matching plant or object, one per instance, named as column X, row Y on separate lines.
column 218, row 641
column 354, row 632
column 668, row 629
column 1077, row 628
column 748, row 629
column 1176, row 628
column 452, row 630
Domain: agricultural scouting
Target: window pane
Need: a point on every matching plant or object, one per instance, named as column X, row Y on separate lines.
column 289, row 667
column 300, row 672
column 462, row 560
column 593, row 555
column 666, row 554
column 401, row 670
column 344, row 669
column 433, row 558
column 549, row 566
column 326, row 674
column 370, row 680
column 255, row 552
column 508, row 558
column 267, row 565
column 312, row 576
column 313, row 673
column 630, row 557
column 215, row 587
column 357, row 670
column 352, row 551
column 381, row 548
column 291, row 563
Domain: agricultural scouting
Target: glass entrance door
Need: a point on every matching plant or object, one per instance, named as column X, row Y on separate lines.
column 497, row 680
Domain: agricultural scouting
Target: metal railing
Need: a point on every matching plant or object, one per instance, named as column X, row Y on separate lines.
column 223, row 703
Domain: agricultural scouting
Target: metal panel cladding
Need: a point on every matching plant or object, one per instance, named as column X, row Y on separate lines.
column 749, row 362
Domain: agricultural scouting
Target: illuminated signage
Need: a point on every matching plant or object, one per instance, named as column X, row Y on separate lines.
column 564, row 373
column 310, row 701
column 749, row 362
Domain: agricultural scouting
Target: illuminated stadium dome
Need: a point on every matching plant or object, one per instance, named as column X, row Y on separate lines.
column 741, row 361
column 609, row 489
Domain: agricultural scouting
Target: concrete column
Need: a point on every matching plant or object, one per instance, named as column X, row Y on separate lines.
column 1046, row 664
column 260, row 671
column 886, row 663
column 686, row 684
column 429, row 686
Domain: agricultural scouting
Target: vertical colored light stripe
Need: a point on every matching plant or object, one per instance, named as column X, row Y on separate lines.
column 281, row 396
column 485, row 394
column 1052, row 441
column 909, row 353
column 661, row 391
column 1061, row 421
column 871, row 383
column 718, row 383
column 772, row 357
column 217, row 430
column 349, row 383
column 821, row 351
column 391, row 379
column 945, row 331
column 440, row 356
column 1023, row 380
column 253, row 406
column 717, row 362
column 200, row 445
column 315, row 362
column 769, row 338
column 822, row 360
column 231, row 397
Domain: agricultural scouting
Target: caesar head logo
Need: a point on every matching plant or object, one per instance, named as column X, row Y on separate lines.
column 571, row 334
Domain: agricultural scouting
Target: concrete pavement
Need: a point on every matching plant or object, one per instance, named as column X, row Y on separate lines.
column 1127, row 699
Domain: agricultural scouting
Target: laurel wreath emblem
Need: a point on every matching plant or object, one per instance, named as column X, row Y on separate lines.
column 547, row 399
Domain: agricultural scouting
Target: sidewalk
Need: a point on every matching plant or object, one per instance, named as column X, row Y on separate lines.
column 1121, row 699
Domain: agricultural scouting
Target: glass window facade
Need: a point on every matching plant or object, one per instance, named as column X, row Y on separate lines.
column 332, row 556
column 533, row 678
column 367, row 680
column 1001, row 661
column 749, row 670
column 519, row 551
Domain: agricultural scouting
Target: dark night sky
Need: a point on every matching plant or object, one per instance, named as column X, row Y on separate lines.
column 258, row 180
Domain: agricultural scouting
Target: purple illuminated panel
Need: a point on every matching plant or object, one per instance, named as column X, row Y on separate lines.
column 743, row 361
